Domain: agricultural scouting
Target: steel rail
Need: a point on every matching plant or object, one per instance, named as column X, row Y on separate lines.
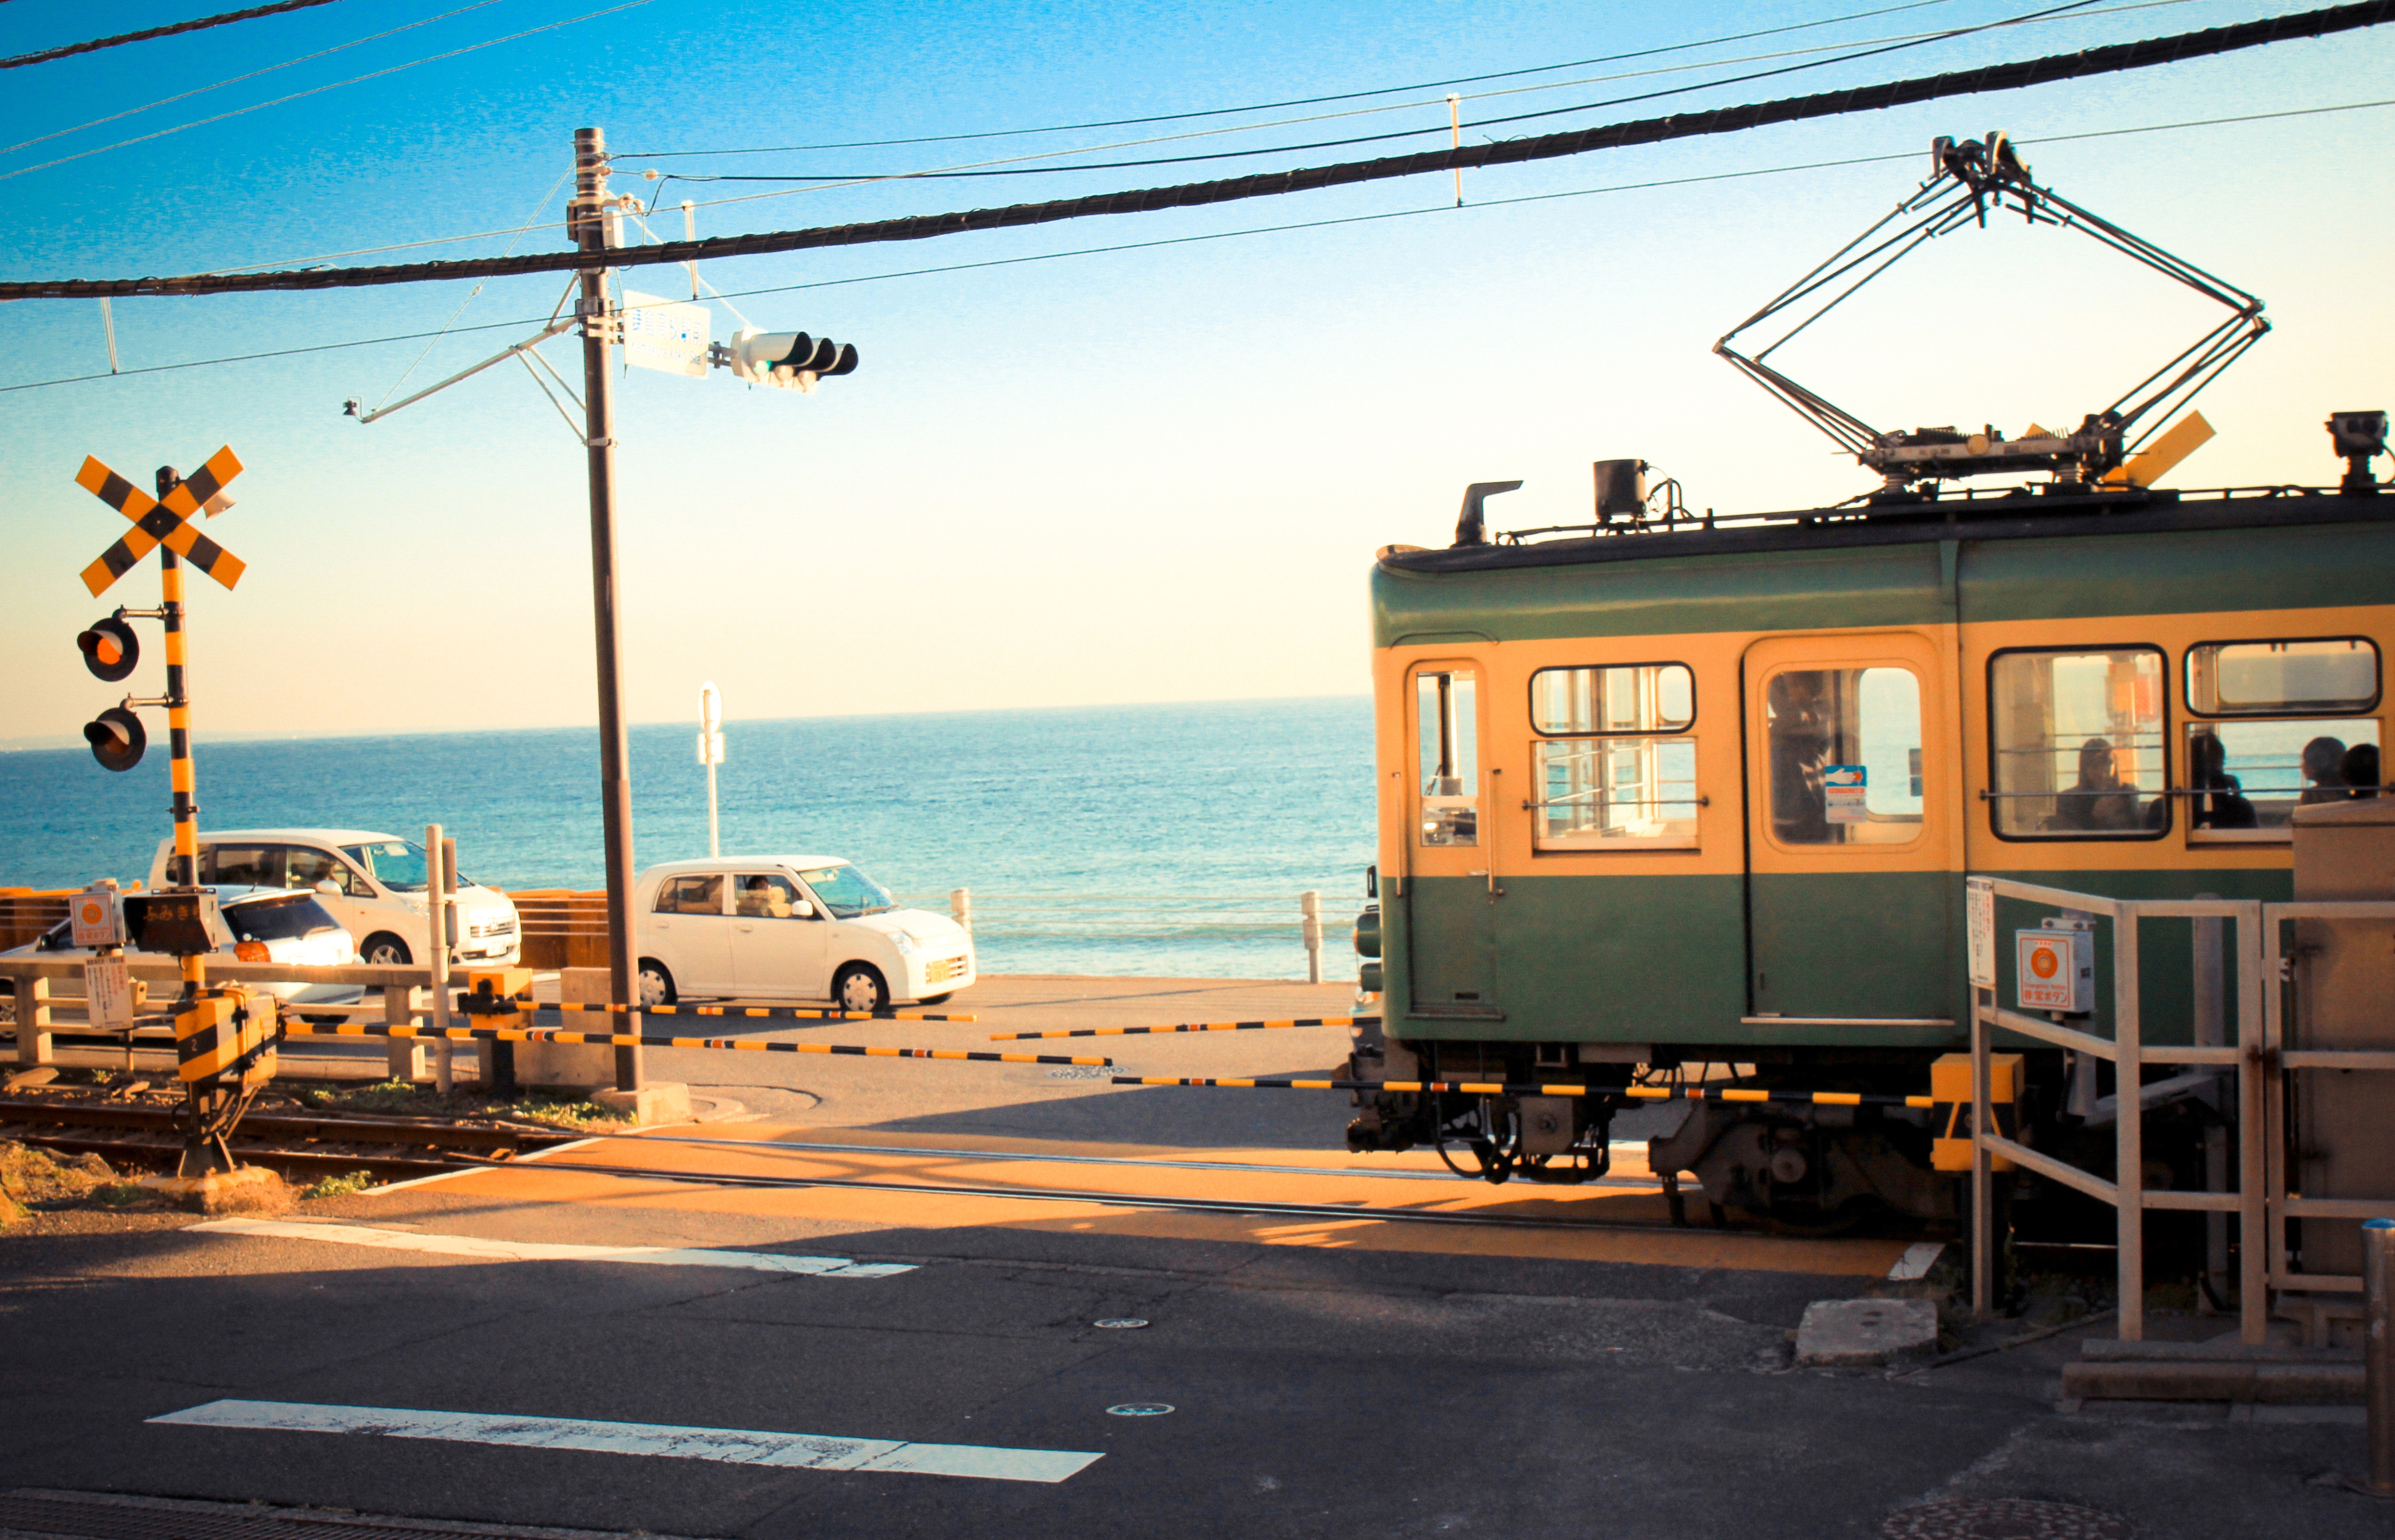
column 1442, row 1176
column 328, row 1127
column 1111, row 1200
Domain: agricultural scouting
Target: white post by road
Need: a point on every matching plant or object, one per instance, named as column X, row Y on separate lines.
column 1309, row 904
column 960, row 905
column 436, row 910
column 710, row 750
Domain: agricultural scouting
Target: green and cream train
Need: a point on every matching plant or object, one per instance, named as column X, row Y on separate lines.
column 1663, row 794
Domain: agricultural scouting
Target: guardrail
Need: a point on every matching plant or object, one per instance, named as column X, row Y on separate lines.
column 2258, row 1061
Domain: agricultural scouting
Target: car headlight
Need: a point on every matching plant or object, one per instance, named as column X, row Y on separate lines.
column 904, row 942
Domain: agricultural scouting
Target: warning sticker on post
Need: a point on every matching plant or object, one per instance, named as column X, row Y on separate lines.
column 1980, row 902
column 108, row 994
column 1843, row 790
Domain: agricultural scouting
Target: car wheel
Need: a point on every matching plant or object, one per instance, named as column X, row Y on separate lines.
column 385, row 950
column 859, row 987
column 656, row 987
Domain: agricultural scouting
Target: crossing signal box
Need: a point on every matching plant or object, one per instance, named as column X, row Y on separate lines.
column 117, row 739
column 788, row 360
column 225, row 1038
column 108, row 648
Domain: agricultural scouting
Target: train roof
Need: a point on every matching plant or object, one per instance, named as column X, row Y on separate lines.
column 2018, row 555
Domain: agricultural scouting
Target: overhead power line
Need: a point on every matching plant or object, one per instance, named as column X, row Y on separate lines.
column 1021, row 164
column 1210, row 235
column 2143, row 54
column 220, row 85
column 20, row 60
column 319, row 90
column 1292, row 101
column 1880, row 45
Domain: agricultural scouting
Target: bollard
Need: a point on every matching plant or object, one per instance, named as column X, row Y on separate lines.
column 2379, row 1350
column 1309, row 904
column 960, row 905
column 436, row 910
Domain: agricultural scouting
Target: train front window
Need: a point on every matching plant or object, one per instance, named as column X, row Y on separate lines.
column 1599, row 794
column 1645, row 697
column 2282, row 678
column 2078, row 744
column 1845, row 755
column 1609, row 777
column 1445, row 721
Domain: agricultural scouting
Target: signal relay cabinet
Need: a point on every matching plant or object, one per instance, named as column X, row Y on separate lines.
column 2345, row 978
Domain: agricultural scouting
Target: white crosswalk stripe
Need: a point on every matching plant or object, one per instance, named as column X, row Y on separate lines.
column 547, row 1251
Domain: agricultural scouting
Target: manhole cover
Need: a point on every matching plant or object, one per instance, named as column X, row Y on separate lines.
column 1139, row 1409
column 1120, row 1323
column 2003, row 1518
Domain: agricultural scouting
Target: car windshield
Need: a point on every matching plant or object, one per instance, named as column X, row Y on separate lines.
column 846, row 892
column 278, row 919
column 397, row 865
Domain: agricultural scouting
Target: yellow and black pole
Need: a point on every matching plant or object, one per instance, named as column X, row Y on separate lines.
column 179, row 727
column 225, row 1035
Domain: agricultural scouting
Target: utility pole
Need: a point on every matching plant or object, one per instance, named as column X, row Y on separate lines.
column 594, row 231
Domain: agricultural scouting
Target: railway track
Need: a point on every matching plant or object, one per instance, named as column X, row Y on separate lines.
column 137, row 1136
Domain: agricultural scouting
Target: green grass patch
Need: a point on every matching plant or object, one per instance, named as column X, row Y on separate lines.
column 408, row 1098
column 340, row 1187
column 121, row 1195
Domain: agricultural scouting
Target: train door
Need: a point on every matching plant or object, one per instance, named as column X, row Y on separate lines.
column 1849, row 829
column 1451, row 896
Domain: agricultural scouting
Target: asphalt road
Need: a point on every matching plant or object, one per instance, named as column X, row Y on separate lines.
column 1318, row 1387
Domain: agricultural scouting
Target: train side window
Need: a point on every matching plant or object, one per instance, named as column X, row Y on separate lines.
column 2282, row 678
column 1639, row 697
column 1845, row 755
column 1447, row 720
column 2244, row 780
column 2077, row 743
column 1599, row 794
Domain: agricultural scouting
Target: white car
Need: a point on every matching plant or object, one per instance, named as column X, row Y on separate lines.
column 789, row 928
column 253, row 925
column 373, row 884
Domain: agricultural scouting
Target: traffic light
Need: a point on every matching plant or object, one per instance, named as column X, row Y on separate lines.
column 788, row 360
column 108, row 650
column 116, row 739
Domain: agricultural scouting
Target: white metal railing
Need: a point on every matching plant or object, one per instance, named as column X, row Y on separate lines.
column 2259, row 1061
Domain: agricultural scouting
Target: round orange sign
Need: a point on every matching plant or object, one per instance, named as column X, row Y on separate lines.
column 2044, row 962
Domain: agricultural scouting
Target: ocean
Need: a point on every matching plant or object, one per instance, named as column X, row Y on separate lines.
column 1167, row 840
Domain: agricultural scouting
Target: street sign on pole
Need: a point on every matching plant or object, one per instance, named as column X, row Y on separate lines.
column 668, row 336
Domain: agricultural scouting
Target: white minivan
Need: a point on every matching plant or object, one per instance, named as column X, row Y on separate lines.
column 789, row 928
column 373, row 884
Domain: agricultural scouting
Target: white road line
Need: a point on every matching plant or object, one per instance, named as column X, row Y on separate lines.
column 540, row 1251
column 1918, row 1259
column 728, row 1445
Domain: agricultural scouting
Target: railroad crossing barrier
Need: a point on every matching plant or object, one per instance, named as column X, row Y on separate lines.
column 1505, row 1088
column 643, row 1040
column 1184, row 1026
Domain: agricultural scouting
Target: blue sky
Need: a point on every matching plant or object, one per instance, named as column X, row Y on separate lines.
column 1152, row 474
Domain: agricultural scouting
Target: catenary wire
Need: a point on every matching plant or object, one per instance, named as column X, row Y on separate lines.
column 218, row 86
column 202, row 24
column 319, row 90
column 476, row 290
column 1219, row 235
column 1294, row 101
column 1280, row 123
column 487, row 234
column 2140, row 54
column 1485, row 123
